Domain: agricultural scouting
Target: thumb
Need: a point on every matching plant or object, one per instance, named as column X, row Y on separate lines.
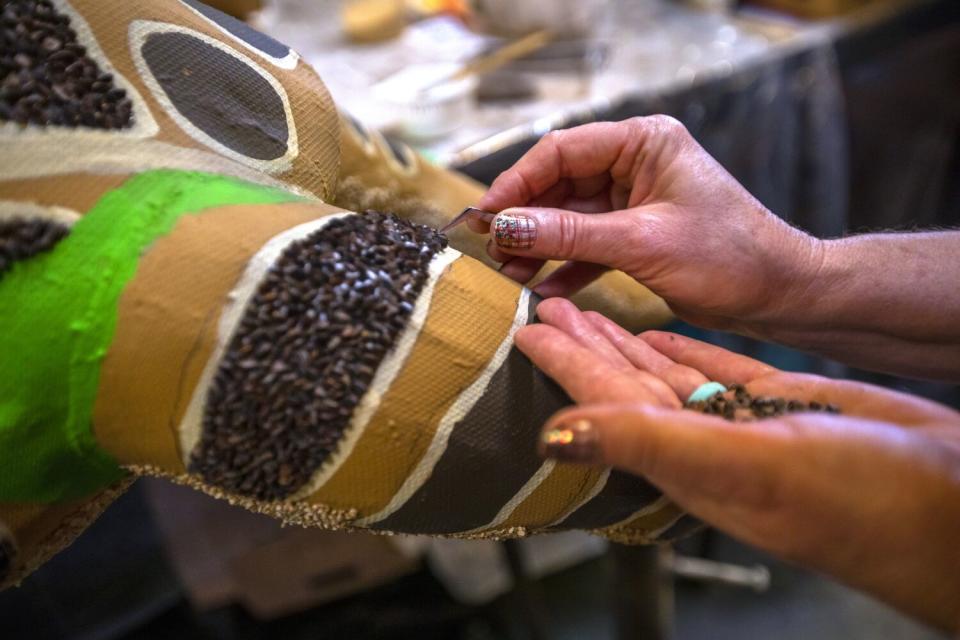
column 557, row 234
column 693, row 457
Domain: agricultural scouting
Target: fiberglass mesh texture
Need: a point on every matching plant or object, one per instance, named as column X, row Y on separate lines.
column 491, row 453
column 621, row 496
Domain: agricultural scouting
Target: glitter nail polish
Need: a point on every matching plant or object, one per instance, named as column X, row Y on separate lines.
column 574, row 441
column 514, row 231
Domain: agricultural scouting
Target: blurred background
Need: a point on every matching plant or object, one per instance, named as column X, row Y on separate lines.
column 840, row 115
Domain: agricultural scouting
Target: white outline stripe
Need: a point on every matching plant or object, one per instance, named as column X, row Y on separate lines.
column 30, row 210
column 27, row 157
column 531, row 485
column 386, row 373
column 653, row 535
column 653, row 507
column 597, row 488
column 190, row 426
column 287, row 62
column 464, row 402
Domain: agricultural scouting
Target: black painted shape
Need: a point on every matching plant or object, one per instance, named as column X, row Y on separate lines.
column 242, row 30
column 491, row 453
column 357, row 127
column 623, row 495
column 399, row 151
column 23, row 238
column 219, row 94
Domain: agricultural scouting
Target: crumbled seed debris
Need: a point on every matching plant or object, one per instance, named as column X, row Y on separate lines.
column 306, row 350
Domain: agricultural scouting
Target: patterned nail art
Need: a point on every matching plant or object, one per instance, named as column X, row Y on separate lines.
column 515, row 232
column 571, row 442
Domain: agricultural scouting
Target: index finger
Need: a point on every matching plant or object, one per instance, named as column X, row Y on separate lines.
column 584, row 375
column 716, row 363
column 581, row 152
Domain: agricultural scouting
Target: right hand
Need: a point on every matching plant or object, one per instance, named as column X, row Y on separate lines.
column 668, row 215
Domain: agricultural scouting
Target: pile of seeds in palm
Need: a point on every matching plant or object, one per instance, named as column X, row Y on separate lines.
column 738, row 404
column 21, row 238
column 306, row 350
column 46, row 75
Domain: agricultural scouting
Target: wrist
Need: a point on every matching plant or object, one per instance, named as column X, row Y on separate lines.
column 797, row 281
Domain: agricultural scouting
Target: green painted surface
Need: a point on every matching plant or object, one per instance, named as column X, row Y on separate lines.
column 58, row 312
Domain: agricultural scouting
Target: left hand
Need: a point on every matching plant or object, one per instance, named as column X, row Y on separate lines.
column 870, row 497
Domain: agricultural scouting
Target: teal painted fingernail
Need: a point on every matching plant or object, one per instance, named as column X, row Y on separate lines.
column 706, row 391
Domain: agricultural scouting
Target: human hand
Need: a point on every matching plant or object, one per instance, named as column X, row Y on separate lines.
column 870, row 497
column 667, row 214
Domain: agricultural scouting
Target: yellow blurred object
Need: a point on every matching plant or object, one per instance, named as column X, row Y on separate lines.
column 236, row 8
column 492, row 61
column 814, row 8
column 429, row 7
column 373, row 20
column 507, row 53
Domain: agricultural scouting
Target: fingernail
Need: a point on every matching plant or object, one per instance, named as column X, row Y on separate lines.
column 514, row 231
column 574, row 441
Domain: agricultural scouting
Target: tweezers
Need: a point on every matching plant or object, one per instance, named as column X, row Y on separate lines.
column 466, row 214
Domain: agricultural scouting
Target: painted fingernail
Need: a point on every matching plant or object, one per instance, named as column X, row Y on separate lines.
column 513, row 231
column 574, row 441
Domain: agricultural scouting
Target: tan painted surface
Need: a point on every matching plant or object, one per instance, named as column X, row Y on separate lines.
column 472, row 310
column 640, row 529
column 76, row 191
column 565, row 487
